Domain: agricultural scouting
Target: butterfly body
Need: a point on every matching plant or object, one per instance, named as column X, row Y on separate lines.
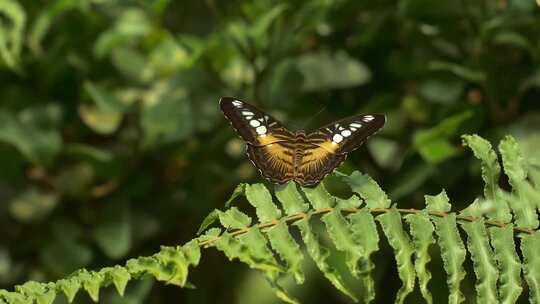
column 303, row 157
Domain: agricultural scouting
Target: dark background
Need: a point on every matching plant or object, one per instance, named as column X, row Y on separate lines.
column 112, row 143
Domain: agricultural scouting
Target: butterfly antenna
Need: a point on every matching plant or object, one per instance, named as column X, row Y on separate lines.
column 310, row 120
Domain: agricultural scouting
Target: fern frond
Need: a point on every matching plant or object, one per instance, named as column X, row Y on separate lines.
column 492, row 224
column 422, row 234
column 169, row 265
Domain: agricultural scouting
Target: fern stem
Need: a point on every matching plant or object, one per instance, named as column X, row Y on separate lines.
column 300, row 216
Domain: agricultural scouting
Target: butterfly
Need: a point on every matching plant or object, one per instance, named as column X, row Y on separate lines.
column 306, row 158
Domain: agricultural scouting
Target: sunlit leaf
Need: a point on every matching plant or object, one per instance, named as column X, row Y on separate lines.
column 323, row 71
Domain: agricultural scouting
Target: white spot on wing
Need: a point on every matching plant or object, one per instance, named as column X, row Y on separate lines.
column 337, row 138
column 368, row 118
column 247, row 113
column 346, row 133
column 249, row 117
column 353, row 129
column 261, row 130
column 355, row 125
column 254, row 123
column 237, row 103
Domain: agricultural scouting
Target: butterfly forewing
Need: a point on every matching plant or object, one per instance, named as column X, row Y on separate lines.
column 348, row 134
column 253, row 125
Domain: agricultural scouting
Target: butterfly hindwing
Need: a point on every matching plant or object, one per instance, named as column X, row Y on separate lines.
column 274, row 161
column 317, row 162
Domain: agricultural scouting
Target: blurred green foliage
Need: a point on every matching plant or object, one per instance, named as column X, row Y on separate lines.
column 111, row 142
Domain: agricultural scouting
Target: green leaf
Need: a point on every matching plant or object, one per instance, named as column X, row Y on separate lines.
column 324, row 71
column 132, row 63
column 69, row 287
column 514, row 39
column 41, row 292
column 442, row 91
column 234, row 219
column 422, row 236
column 260, row 198
column 483, row 261
column 33, row 132
column 368, row 189
column 238, row 191
column 208, row 220
column 210, row 235
column 490, row 174
column 438, row 203
column 170, row 264
column 12, row 33
column 166, row 116
column 530, row 246
column 434, row 144
column 319, row 254
column 291, row 199
column 13, row 297
column 32, row 205
column 289, row 251
column 103, row 99
column 118, row 275
column 341, row 234
column 514, row 163
column 319, row 197
column 113, row 232
column 515, row 168
column 235, row 249
column 42, row 23
column 452, row 248
column 463, row 72
column 106, row 114
column 350, row 203
column 91, row 282
column 510, row 283
column 263, row 23
column 384, row 151
column 257, row 246
column 132, row 24
column 403, row 251
column 88, row 152
column 365, row 232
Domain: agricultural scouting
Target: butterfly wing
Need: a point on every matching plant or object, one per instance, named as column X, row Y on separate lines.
column 328, row 146
column 269, row 144
column 274, row 161
column 316, row 163
column 253, row 125
column 348, row 134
